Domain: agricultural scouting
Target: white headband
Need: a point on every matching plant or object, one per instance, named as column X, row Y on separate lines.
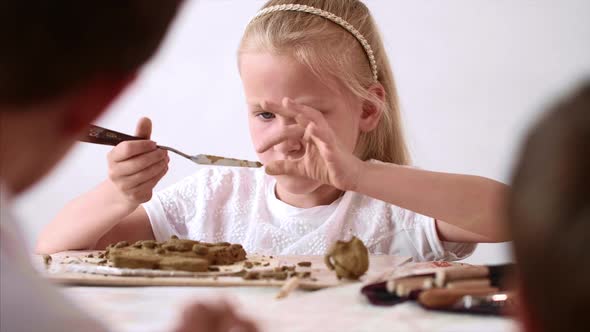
column 336, row 19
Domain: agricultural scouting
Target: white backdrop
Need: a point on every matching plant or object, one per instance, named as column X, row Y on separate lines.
column 472, row 76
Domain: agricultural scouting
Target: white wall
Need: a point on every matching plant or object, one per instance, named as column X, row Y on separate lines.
column 472, row 75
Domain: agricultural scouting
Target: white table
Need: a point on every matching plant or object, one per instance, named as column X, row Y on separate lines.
column 334, row 309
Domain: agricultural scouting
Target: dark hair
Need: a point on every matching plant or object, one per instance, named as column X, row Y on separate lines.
column 50, row 47
column 549, row 214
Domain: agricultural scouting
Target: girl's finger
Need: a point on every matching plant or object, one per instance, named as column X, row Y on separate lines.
column 277, row 109
column 139, row 163
column 289, row 132
column 129, row 149
column 131, row 181
column 308, row 115
column 144, row 128
column 149, row 184
column 285, row 167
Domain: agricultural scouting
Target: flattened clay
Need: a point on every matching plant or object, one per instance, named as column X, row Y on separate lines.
column 349, row 260
column 135, row 262
column 122, row 244
column 304, row 264
column 184, row 264
column 174, row 254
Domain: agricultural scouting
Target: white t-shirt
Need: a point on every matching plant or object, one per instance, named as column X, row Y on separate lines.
column 27, row 302
column 239, row 205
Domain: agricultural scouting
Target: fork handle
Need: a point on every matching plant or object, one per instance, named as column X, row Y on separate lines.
column 99, row 135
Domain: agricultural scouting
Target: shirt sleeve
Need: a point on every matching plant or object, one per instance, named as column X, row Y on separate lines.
column 442, row 250
column 170, row 209
column 419, row 232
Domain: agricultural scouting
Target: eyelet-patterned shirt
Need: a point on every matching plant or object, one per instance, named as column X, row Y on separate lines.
column 239, row 205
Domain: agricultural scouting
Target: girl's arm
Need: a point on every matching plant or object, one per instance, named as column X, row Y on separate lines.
column 111, row 212
column 466, row 208
column 94, row 220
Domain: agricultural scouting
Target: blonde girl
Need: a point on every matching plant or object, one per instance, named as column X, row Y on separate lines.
column 324, row 119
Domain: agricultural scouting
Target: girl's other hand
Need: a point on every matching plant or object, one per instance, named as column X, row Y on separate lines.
column 325, row 159
column 220, row 317
column 135, row 167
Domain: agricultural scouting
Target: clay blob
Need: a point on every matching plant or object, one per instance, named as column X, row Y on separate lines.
column 349, row 260
column 174, row 254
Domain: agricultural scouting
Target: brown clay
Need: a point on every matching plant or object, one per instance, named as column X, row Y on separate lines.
column 174, row 254
column 304, row 264
column 349, row 260
column 122, row 244
column 184, row 264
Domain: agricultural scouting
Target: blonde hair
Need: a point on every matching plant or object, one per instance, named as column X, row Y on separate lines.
column 331, row 52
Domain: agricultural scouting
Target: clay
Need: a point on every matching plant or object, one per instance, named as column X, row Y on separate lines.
column 248, row 265
column 174, row 254
column 285, row 268
column 274, row 275
column 47, row 259
column 200, row 249
column 349, row 260
column 149, row 244
column 304, row 264
column 279, row 273
column 135, row 262
column 251, row 275
column 121, row 244
column 184, row 264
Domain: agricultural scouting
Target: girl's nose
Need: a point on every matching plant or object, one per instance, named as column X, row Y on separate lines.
column 291, row 147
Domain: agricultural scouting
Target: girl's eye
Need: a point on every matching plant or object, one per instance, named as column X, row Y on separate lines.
column 266, row 115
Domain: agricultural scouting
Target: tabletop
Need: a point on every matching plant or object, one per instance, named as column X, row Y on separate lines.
column 340, row 308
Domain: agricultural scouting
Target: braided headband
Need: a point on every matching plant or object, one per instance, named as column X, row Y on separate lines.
column 336, row 19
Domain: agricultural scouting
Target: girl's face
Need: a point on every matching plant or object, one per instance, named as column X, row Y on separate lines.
column 269, row 78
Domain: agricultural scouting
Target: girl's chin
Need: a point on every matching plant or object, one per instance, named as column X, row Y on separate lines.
column 297, row 185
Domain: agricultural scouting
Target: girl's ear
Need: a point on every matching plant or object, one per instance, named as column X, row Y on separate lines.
column 372, row 111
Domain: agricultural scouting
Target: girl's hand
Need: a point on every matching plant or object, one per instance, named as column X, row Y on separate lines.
column 135, row 167
column 219, row 317
column 325, row 159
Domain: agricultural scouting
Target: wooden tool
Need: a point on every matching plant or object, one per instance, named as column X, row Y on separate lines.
column 438, row 298
column 495, row 273
column 404, row 286
column 288, row 287
column 469, row 284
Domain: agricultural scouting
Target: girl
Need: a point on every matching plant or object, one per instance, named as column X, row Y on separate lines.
column 324, row 119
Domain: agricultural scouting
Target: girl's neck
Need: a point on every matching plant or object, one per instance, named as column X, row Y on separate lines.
column 324, row 195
